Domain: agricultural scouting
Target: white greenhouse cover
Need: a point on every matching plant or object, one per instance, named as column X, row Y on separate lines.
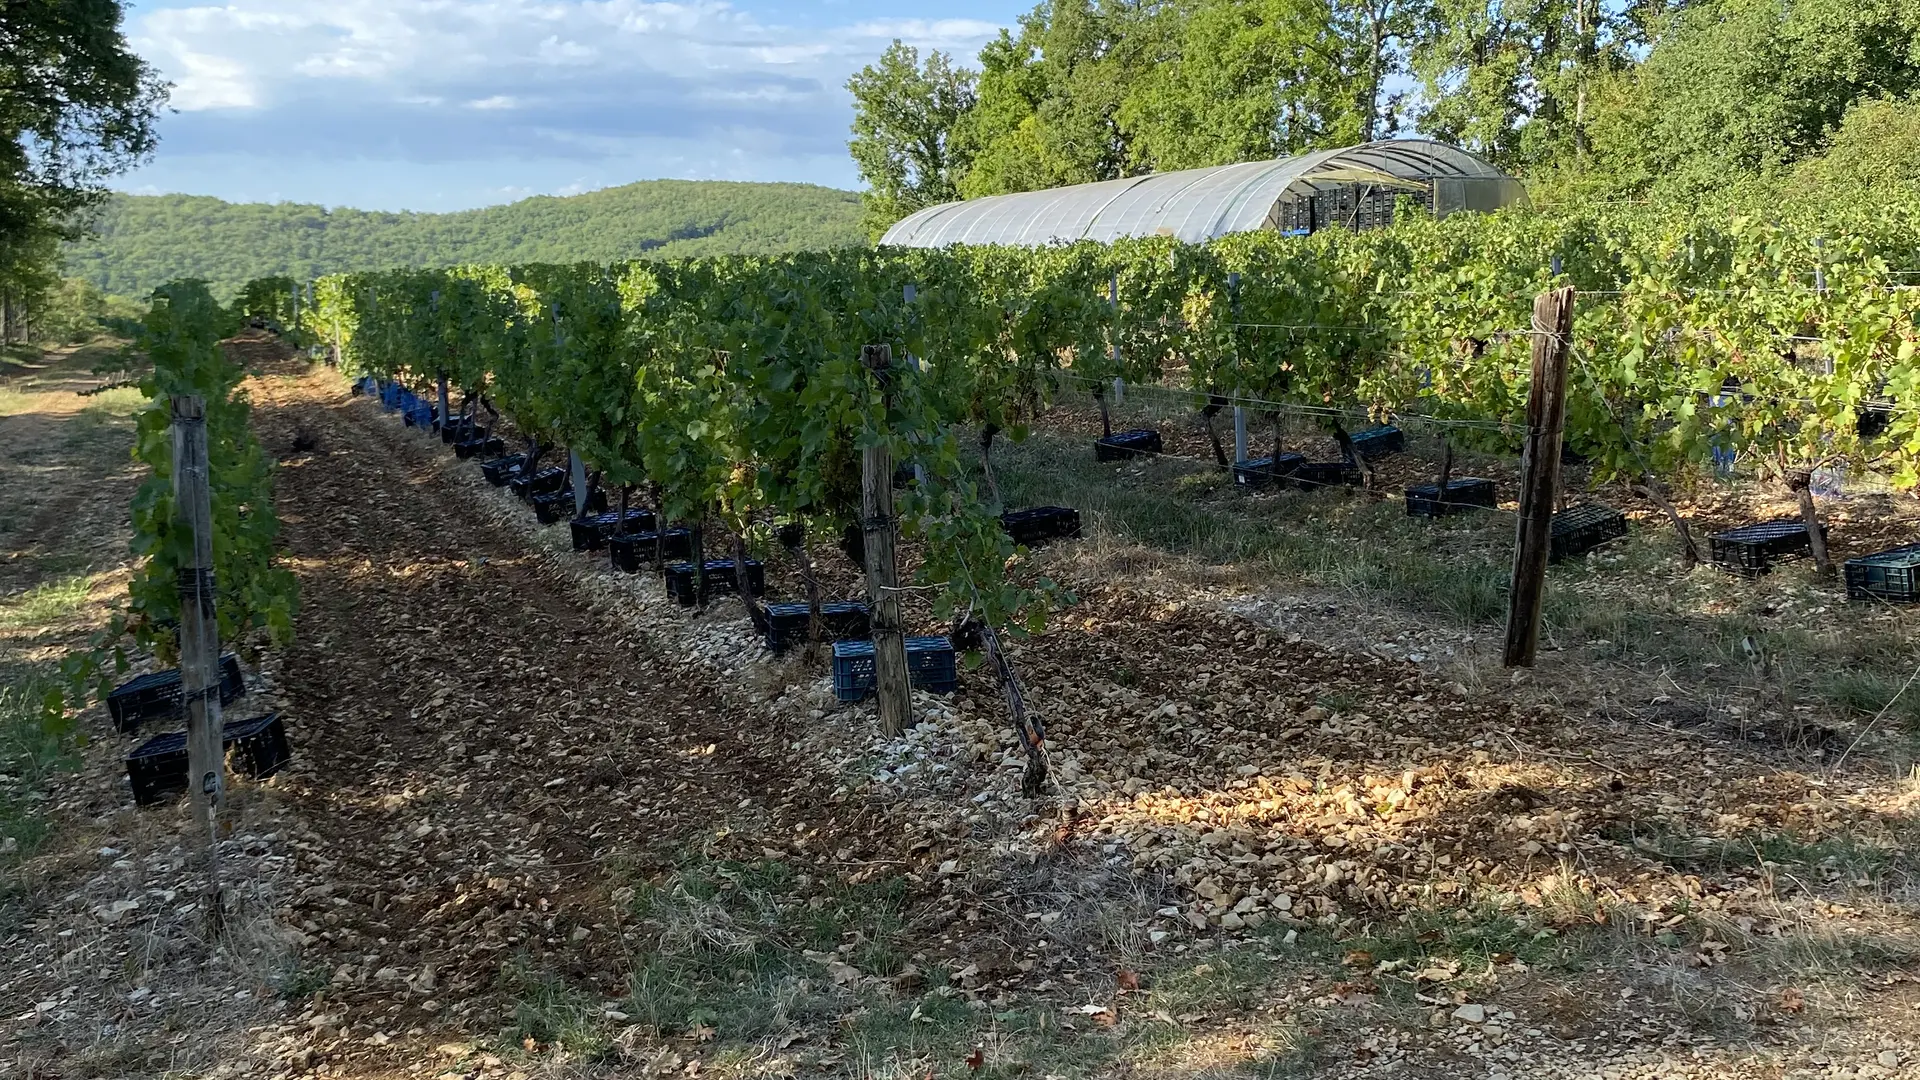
column 1192, row 205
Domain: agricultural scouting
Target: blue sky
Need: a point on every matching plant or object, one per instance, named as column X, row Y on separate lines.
column 448, row 104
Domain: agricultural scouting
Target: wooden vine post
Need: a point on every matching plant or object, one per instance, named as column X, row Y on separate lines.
column 199, row 628
column 877, row 525
column 1539, row 473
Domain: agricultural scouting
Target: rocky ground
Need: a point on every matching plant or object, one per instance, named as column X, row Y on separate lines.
column 542, row 822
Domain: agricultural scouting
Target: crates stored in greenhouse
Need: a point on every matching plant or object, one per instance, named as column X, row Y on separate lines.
column 1462, row 492
column 1579, row 529
column 484, row 447
column 157, row 696
column 1041, row 523
column 787, row 624
column 1260, row 471
column 634, row 550
column 1378, row 442
column 1753, row 549
column 550, row 479
column 1314, row 475
column 590, row 533
column 930, row 667
column 1893, row 574
column 502, row 469
column 720, row 576
column 257, row 747
column 1122, row 445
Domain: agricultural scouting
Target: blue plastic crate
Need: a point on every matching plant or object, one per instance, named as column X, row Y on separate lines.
column 420, row 414
column 930, row 667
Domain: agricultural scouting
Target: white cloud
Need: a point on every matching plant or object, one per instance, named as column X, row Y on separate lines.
column 690, row 88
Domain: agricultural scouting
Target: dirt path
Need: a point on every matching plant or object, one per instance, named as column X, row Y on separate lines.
column 476, row 745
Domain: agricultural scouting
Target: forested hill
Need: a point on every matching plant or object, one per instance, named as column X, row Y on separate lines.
column 146, row 240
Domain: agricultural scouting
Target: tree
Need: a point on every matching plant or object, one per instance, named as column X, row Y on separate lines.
column 903, row 122
column 77, row 107
column 1747, row 87
column 1249, row 80
column 1510, row 79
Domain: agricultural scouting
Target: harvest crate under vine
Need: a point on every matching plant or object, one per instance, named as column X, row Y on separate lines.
column 1893, row 574
column 550, row 479
column 485, row 446
column 787, row 624
column 256, row 748
column 1041, row 523
column 721, row 578
column 1753, row 549
column 590, row 533
column 1579, row 529
column 930, row 667
column 634, row 550
column 502, row 469
column 156, row 696
column 1314, row 475
column 1462, row 492
column 1378, row 442
column 1122, row 445
column 1261, row 471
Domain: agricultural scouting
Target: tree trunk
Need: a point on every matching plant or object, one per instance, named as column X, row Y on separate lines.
column 1801, row 484
column 816, row 627
column 1106, row 419
column 754, row 614
column 1353, row 457
column 697, row 555
column 1279, row 421
column 1649, row 488
column 1208, row 414
column 1446, row 477
column 987, row 432
column 659, row 527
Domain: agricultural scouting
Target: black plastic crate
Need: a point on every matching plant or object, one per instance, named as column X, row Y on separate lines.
column 720, row 576
column 1314, row 475
column 634, row 550
column 1579, row 529
column 1122, row 445
column 1893, row 574
column 156, row 696
column 550, row 479
column 1041, row 523
column 257, row 747
column 481, row 447
column 157, row 768
column 930, row 667
column 502, row 469
column 421, row 414
column 590, row 533
column 1378, row 442
column 1462, row 492
column 1753, row 549
column 1872, row 421
column 459, row 429
column 1261, row 471
column 787, row 623
column 557, row 506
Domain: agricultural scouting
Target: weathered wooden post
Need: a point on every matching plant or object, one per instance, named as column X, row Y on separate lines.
column 877, row 525
column 1539, row 473
column 199, row 629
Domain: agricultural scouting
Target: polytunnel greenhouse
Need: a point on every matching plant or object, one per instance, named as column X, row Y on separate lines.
column 1356, row 187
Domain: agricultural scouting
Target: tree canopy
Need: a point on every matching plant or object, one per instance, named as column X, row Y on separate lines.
column 1584, row 98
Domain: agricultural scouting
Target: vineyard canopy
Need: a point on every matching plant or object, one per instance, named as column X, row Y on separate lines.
column 1354, row 187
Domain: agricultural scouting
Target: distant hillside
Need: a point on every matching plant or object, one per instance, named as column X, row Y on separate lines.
column 146, row 240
